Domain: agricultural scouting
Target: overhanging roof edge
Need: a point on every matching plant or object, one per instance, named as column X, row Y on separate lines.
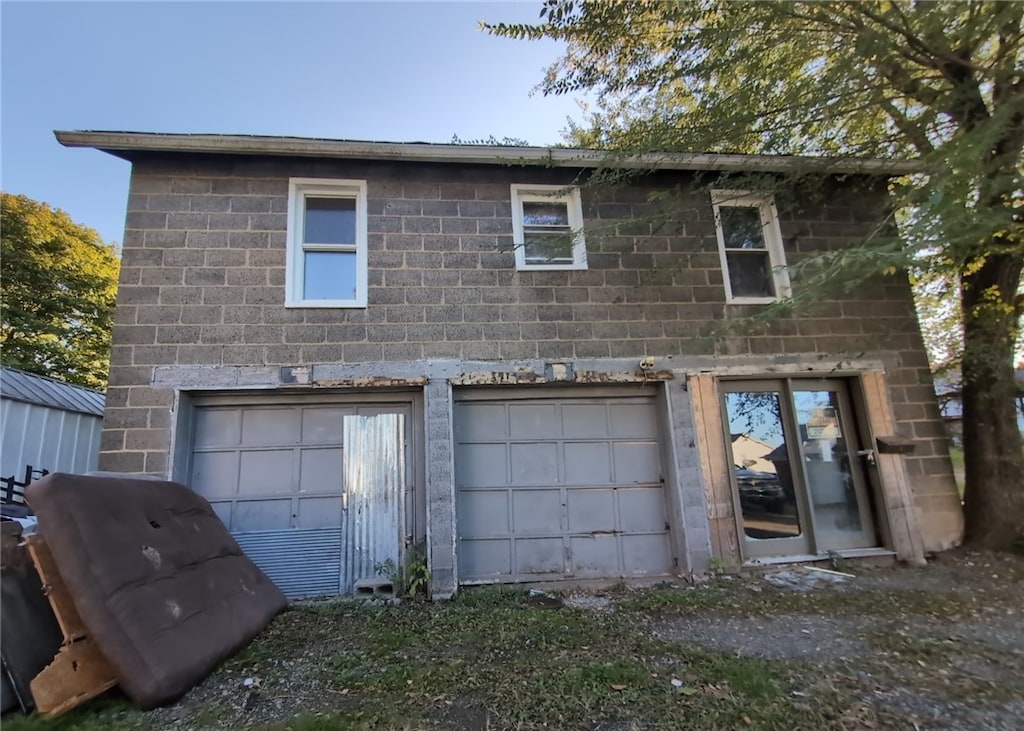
column 114, row 142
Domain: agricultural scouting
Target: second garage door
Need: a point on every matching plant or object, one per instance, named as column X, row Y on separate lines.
column 559, row 487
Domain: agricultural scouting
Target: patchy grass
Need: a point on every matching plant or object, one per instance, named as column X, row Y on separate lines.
column 99, row 715
column 491, row 659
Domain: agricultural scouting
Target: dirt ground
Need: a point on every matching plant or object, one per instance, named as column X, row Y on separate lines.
column 896, row 647
column 942, row 649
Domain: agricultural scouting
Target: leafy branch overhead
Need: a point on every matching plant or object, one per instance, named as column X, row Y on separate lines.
column 937, row 82
column 59, row 286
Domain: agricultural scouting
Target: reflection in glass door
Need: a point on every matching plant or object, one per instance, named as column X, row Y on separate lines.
column 797, row 470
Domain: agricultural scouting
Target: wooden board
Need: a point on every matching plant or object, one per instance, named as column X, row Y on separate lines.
column 78, row 672
column 68, row 620
column 707, row 419
column 897, row 494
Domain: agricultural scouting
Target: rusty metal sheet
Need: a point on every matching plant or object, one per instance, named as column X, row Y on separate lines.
column 374, row 499
column 372, row 382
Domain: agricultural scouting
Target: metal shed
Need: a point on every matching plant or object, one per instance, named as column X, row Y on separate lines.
column 46, row 426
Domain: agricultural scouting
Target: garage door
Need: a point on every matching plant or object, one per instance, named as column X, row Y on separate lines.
column 556, row 488
column 313, row 493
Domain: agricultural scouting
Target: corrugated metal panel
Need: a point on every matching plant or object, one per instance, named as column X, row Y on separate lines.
column 47, row 439
column 374, row 456
column 303, row 563
column 32, row 389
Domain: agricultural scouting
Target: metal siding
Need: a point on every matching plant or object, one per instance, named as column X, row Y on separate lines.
column 374, row 457
column 42, row 391
column 303, row 563
column 560, row 487
column 46, row 438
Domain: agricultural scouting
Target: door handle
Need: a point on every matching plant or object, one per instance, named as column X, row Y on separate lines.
column 869, row 454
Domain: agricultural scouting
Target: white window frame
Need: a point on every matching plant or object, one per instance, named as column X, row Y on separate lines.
column 765, row 205
column 298, row 190
column 548, row 194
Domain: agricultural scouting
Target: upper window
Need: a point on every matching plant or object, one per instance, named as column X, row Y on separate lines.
column 547, row 227
column 326, row 262
column 750, row 243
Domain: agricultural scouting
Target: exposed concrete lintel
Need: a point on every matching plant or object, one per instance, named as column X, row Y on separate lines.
column 783, row 366
column 213, row 377
column 415, row 374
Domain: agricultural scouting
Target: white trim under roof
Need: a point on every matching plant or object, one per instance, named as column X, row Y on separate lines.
column 135, row 142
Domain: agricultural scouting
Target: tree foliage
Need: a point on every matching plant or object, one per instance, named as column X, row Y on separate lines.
column 59, row 285
column 938, row 82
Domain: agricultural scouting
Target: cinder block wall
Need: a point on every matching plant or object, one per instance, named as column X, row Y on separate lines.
column 203, row 271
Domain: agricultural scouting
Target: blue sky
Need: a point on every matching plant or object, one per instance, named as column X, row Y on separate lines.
column 394, row 71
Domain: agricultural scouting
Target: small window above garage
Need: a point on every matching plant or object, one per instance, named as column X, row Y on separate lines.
column 547, row 227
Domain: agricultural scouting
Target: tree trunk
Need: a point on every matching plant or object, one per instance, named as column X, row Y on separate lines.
column 993, row 450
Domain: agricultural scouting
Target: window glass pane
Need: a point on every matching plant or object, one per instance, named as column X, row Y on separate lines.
column 330, row 221
column 547, row 248
column 329, row 275
column 827, row 460
column 741, row 227
column 764, row 477
column 750, row 273
column 545, row 214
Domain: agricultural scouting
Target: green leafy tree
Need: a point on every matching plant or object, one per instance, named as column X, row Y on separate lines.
column 59, row 285
column 938, row 82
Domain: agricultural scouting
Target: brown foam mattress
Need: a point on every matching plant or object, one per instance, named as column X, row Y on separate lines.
column 160, row 584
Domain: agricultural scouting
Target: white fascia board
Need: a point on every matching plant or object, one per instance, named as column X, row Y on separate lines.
column 469, row 154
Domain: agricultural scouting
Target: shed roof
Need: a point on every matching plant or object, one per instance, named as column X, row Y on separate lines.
column 43, row 391
column 128, row 145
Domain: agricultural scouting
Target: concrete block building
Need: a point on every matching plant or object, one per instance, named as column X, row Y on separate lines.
column 354, row 350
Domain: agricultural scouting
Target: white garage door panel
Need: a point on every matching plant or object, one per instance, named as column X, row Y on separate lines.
column 270, row 427
column 260, row 515
column 219, row 429
column 633, row 420
column 641, row 509
column 647, row 555
column 316, row 465
column 482, row 465
column 534, row 464
column 533, row 421
column 590, row 555
column 587, row 463
column 585, row 420
column 591, row 510
column 540, row 557
column 319, row 512
column 636, row 462
column 553, row 488
column 484, row 558
column 217, row 473
column 266, row 472
column 486, row 513
column 481, row 421
column 536, row 512
column 323, row 425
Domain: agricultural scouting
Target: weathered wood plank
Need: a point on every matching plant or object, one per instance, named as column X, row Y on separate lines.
column 56, row 591
column 714, row 465
column 897, row 492
column 78, row 672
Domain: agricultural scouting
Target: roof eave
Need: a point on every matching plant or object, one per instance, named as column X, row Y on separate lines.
column 123, row 144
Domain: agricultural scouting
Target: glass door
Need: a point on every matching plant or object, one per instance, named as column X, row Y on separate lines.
column 798, row 475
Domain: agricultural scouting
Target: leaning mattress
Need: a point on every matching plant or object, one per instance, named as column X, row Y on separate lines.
column 160, row 584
